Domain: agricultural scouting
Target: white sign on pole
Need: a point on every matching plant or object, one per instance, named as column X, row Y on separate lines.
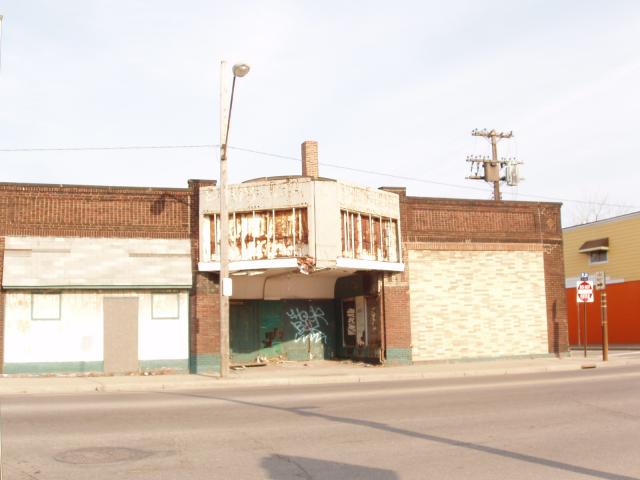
column 600, row 281
column 584, row 291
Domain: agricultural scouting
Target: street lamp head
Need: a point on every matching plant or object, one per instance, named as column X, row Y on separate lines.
column 240, row 69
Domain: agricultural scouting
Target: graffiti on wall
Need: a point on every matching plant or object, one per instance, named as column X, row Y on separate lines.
column 308, row 323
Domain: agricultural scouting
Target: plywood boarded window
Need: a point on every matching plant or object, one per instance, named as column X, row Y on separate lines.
column 264, row 234
column 45, row 306
column 165, row 306
column 369, row 237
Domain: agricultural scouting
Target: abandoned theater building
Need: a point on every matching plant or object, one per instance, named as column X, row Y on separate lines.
column 125, row 279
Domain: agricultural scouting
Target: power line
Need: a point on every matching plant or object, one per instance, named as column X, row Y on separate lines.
column 421, row 180
column 296, row 159
column 90, row 149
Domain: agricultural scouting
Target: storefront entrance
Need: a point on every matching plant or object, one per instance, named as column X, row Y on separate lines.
column 287, row 329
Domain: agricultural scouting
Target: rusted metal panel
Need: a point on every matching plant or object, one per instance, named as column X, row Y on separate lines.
column 264, row 234
column 377, row 237
column 367, row 237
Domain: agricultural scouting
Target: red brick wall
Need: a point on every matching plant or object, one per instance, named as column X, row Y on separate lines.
column 396, row 314
column 88, row 211
column 204, row 321
column 486, row 221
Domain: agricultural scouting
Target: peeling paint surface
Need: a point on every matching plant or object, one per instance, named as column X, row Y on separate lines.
column 263, row 234
column 368, row 237
column 264, row 226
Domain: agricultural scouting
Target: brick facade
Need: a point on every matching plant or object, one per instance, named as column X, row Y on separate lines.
column 204, row 304
column 170, row 213
column 436, row 223
column 89, row 211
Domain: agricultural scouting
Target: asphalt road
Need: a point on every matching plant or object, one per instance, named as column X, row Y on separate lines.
column 572, row 425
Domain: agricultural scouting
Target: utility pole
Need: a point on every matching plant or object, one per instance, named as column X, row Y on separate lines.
column 492, row 166
column 225, row 113
column 226, row 105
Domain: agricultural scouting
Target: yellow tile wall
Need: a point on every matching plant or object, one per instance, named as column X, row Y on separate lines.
column 477, row 304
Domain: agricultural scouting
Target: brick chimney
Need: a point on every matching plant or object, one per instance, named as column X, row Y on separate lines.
column 310, row 158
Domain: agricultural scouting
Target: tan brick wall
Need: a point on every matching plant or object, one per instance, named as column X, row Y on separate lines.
column 474, row 303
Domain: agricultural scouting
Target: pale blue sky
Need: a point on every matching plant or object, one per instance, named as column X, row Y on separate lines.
column 384, row 86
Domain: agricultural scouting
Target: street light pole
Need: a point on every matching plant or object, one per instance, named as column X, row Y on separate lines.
column 226, row 104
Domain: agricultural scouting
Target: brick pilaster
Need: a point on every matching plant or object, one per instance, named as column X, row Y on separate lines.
column 204, row 299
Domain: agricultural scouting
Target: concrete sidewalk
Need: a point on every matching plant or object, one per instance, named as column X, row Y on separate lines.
column 311, row 373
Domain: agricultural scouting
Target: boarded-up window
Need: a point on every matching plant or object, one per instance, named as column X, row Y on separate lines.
column 391, row 239
column 377, row 237
column 45, row 306
column 367, row 243
column 284, row 234
column 369, row 237
column 165, row 305
column 264, row 234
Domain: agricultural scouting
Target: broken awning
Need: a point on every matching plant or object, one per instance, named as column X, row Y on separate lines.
column 598, row 245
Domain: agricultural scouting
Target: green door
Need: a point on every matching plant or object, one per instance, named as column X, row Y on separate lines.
column 244, row 332
column 271, row 331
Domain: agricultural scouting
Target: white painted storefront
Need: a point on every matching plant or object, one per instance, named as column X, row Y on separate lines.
column 56, row 291
column 73, row 336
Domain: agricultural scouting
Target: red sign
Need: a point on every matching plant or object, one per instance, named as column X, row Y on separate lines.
column 584, row 292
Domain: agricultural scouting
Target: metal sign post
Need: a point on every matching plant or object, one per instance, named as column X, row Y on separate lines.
column 601, row 284
column 578, row 323
column 585, row 330
column 605, row 329
column 584, row 294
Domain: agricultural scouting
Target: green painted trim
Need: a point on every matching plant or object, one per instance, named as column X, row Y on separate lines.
column 180, row 365
column 399, row 356
column 53, row 367
column 204, row 363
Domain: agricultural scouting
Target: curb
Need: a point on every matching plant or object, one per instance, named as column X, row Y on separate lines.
column 95, row 385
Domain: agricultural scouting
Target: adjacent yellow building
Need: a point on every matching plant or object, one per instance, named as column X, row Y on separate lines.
column 613, row 247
